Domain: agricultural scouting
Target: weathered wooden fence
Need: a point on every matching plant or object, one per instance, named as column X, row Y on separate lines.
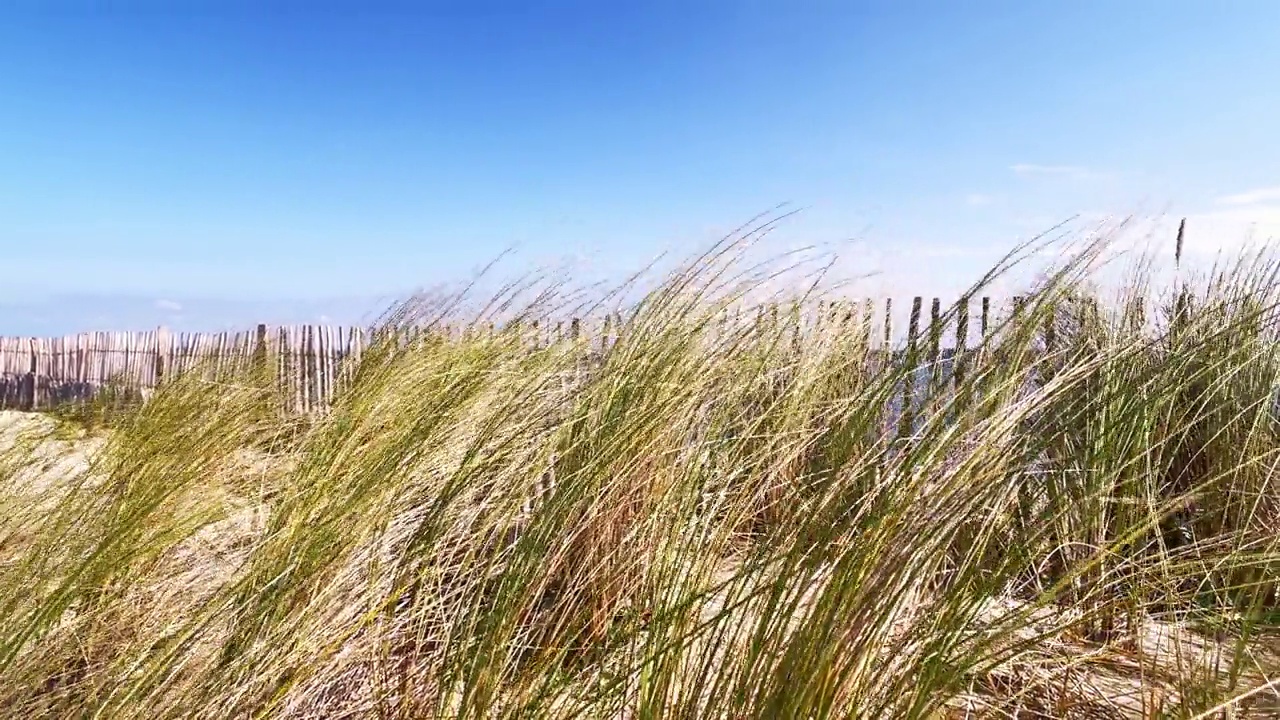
column 40, row 373
column 312, row 361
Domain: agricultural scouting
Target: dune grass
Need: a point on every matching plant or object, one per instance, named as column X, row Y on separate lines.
column 707, row 519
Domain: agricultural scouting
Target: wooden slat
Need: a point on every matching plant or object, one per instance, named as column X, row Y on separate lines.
column 888, row 325
column 911, row 361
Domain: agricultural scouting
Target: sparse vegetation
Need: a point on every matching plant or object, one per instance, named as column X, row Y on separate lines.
column 1084, row 524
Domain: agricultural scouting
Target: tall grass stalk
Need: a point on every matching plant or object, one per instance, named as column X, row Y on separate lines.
column 715, row 516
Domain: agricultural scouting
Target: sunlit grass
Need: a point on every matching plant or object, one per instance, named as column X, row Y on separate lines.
column 730, row 521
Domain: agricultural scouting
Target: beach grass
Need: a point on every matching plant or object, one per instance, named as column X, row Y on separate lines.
column 709, row 518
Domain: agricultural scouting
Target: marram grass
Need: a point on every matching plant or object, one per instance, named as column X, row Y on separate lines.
column 709, row 519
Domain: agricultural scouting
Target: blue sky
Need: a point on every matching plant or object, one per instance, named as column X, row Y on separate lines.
column 286, row 161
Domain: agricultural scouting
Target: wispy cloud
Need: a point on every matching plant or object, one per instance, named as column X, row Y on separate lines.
column 169, row 305
column 979, row 199
column 1075, row 172
column 1256, row 196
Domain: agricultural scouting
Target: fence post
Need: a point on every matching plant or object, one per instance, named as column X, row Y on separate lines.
column 910, row 360
column 29, row 402
column 1016, row 318
column 162, row 342
column 935, row 342
column 887, row 348
column 1140, row 313
column 868, row 319
column 311, row 385
column 962, row 342
column 1051, row 330
column 260, row 352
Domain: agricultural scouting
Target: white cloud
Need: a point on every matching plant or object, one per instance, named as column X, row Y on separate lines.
column 1074, row 172
column 1252, row 197
column 169, row 305
column 979, row 199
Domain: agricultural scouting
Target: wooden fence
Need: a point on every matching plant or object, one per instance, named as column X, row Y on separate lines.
column 312, row 361
column 41, row 373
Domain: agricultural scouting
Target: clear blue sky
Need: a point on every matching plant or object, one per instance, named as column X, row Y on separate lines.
column 302, row 152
